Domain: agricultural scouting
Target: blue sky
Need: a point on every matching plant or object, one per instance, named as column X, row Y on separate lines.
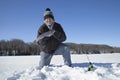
column 84, row 21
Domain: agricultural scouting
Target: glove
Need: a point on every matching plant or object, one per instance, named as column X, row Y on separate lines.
column 44, row 40
column 57, row 34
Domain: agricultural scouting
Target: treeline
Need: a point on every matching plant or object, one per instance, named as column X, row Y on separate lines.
column 92, row 48
column 16, row 47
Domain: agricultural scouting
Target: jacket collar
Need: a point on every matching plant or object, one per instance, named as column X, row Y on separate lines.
column 50, row 27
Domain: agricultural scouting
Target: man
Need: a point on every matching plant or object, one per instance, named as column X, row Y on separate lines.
column 50, row 37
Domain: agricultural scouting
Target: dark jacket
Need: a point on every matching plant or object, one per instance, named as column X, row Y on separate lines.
column 50, row 44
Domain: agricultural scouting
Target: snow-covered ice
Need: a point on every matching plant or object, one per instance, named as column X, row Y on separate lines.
column 106, row 67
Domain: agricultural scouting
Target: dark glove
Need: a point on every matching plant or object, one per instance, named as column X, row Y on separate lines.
column 43, row 41
column 57, row 35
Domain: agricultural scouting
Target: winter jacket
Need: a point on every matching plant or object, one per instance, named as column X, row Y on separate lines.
column 50, row 44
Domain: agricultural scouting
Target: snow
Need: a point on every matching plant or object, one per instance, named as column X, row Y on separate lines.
column 106, row 67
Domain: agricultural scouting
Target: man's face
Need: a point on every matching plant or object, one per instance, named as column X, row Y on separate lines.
column 49, row 21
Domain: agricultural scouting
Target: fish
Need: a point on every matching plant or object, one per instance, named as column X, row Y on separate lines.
column 45, row 34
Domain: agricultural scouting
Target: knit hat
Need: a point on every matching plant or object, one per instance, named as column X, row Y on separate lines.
column 48, row 14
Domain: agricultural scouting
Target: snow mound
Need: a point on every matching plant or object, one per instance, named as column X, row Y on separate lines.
column 78, row 71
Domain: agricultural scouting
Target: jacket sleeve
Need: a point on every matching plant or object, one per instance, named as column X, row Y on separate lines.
column 45, row 39
column 60, row 34
column 38, row 34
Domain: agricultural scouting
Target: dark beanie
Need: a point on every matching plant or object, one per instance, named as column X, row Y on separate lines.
column 48, row 14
